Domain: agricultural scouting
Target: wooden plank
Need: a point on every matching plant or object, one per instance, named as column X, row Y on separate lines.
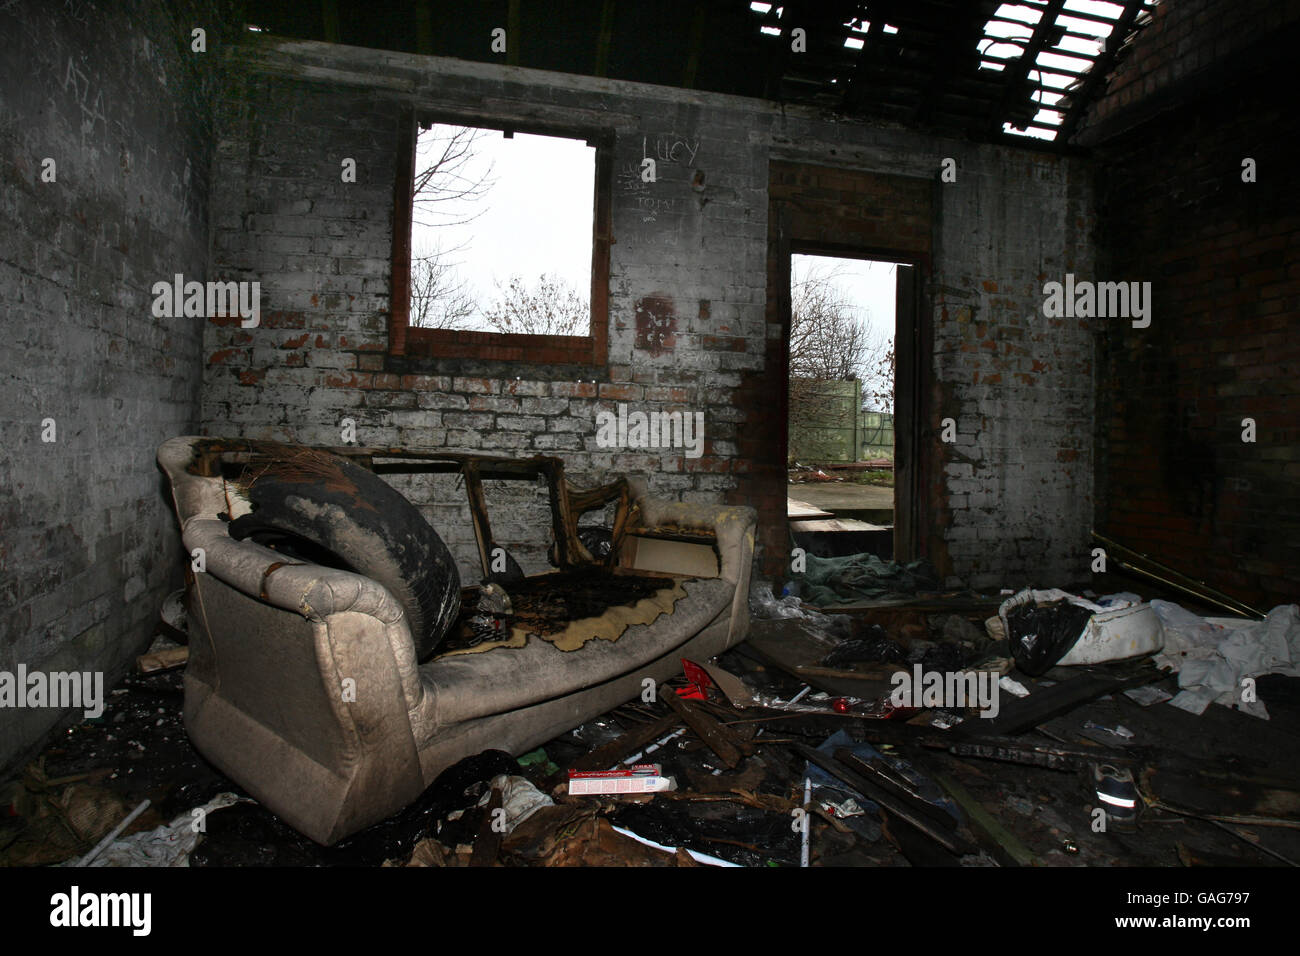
column 837, row 525
column 1043, row 704
column 797, row 510
column 1001, row 842
column 162, row 660
column 479, row 516
column 721, row 740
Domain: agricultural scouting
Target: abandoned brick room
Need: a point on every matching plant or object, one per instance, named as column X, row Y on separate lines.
column 722, row 434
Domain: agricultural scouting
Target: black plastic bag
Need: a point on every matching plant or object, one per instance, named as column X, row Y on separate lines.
column 1041, row 636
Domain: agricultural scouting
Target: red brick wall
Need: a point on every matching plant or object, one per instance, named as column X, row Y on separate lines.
column 1175, row 479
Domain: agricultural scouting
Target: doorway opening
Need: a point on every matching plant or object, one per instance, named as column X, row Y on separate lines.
column 841, row 446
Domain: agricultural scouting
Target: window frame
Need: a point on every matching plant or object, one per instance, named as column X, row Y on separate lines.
column 408, row 341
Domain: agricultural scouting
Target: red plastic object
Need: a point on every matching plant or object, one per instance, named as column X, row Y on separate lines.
column 700, row 681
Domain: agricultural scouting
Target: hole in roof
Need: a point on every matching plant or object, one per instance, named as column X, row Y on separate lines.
column 1096, row 8
column 1017, row 12
column 1048, row 58
column 1089, row 28
column 1088, row 46
column 1035, row 132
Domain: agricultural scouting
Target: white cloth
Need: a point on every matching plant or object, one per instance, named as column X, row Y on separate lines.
column 1213, row 659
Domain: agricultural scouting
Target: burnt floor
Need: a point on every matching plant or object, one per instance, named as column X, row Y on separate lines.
column 1221, row 762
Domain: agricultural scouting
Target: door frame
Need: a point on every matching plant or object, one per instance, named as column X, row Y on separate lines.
column 910, row 344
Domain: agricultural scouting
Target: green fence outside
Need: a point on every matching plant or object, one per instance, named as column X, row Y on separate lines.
column 827, row 423
column 875, row 435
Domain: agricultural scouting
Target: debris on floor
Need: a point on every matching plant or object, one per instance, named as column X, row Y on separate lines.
column 796, row 748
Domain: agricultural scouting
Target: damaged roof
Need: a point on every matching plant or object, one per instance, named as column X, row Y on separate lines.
column 983, row 69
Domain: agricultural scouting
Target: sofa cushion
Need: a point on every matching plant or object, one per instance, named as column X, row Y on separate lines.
column 473, row 685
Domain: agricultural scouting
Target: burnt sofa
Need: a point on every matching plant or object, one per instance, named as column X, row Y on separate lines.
column 303, row 684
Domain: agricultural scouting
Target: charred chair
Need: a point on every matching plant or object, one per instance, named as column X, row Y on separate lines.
column 325, row 675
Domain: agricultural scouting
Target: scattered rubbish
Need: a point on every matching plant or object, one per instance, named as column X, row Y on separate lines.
column 641, row 778
column 112, row 834
column 1042, row 628
column 597, row 732
column 58, row 817
column 845, row 808
column 1052, row 626
column 878, row 647
column 1118, row 794
column 896, row 800
column 539, row 759
column 519, row 799
column 169, row 845
column 1045, row 703
column 1146, row 696
column 830, row 581
column 1005, row 846
column 1119, row 730
column 724, row 742
column 765, row 606
column 578, row 835
column 694, row 854
column 630, row 746
column 655, row 746
column 1013, row 687
column 698, row 682
column 738, row 694
column 173, row 623
column 1214, row 656
column 165, row 652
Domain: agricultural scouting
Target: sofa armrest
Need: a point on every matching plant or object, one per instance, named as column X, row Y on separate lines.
column 319, row 594
column 733, row 530
column 732, row 526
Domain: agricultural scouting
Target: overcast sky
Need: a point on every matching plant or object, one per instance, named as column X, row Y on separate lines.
column 868, row 285
column 535, row 217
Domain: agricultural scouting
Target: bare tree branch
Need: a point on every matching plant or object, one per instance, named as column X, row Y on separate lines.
column 549, row 307
column 446, row 178
column 829, row 341
column 440, row 299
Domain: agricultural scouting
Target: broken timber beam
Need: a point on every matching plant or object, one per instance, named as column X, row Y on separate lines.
column 723, row 741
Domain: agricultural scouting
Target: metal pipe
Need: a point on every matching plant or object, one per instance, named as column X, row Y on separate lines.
column 1201, row 589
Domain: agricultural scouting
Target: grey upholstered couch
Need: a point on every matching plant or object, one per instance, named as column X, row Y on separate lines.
column 303, row 684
